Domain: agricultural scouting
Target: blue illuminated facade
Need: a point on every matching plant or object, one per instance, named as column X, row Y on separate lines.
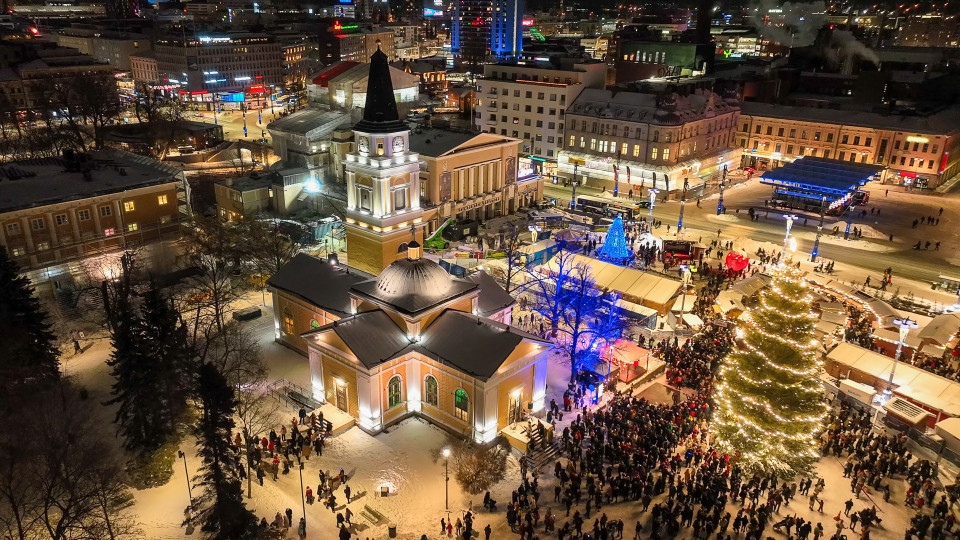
column 487, row 28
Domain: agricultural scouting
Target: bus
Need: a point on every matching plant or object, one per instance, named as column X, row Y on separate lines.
column 610, row 207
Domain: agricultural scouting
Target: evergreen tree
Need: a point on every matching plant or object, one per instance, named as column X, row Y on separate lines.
column 219, row 510
column 29, row 349
column 769, row 402
column 170, row 358
column 135, row 386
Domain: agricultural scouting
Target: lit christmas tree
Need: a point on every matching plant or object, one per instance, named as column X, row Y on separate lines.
column 615, row 247
column 769, row 400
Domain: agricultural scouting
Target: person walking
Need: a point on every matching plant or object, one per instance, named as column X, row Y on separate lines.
column 302, row 529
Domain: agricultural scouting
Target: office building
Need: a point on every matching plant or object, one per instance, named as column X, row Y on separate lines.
column 354, row 42
column 657, row 134
column 485, row 29
column 215, row 63
column 917, row 151
column 528, row 102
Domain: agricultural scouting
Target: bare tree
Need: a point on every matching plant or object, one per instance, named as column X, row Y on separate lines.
column 163, row 116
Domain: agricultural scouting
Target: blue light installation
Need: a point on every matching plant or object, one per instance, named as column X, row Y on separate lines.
column 615, row 247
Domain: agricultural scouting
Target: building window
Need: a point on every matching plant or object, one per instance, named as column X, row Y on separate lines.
column 653, row 154
column 314, row 323
column 841, row 155
column 779, row 132
column 869, row 141
column 43, row 246
column 844, row 139
column 61, row 219
column 666, row 154
column 461, row 404
column 128, row 206
column 83, row 215
column 573, row 140
column 430, row 390
column 13, row 229
column 132, row 227
column 109, row 232
column 287, row 322
column 856, row 140
column 161, row 199
column 770, row 130
column 829, row 137
column 636, row 150
column 105, row 211
column 778, row 147
column 394, row 391
column 399, row 199
column 17, row 251
column 37, row 224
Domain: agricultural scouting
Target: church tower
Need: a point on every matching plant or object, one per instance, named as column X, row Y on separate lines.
column 383, row 180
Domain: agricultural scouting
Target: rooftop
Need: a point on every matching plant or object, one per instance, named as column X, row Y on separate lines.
column 828, row 175
column 38, row 182
column 650, row 107
column 412, row 286
column 307, row 120
column 318, row 282
column 943, row 122
column 434, row 142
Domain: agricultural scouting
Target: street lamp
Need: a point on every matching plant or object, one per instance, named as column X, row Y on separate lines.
column 786, row 239
column 816, row 243
column 905, row 324
column 183, row 456
column 683, row 203
column 303, row 501
column 573, row 185
column 446, row 477
column 685, row 277
column 653, row 199
column 312, row 186
column 723, row 181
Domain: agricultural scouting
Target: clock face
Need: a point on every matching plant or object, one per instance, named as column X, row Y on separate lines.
column 363, row 144
column 398, row 144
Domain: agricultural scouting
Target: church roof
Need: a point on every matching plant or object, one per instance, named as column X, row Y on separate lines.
column 317, row 282
column 492, row 296
column 473, row 345
column 413, row 285
column 380, row 113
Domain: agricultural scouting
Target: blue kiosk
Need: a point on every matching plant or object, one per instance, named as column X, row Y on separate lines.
column 810, row 182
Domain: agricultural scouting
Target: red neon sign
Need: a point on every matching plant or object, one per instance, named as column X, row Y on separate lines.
column 943, row 161
column 527, row 22
column 337, row 26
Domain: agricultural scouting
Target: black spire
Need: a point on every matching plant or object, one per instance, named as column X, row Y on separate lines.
column 380, row 113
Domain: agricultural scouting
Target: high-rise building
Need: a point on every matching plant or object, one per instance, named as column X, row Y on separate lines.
column 485, row 28
column 123, row 9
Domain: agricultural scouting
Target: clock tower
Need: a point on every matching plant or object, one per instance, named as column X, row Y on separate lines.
column 383, row 179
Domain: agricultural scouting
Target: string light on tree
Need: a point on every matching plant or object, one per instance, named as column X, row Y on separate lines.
column 769, row 399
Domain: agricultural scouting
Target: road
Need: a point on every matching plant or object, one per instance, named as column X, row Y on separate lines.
column 897, row 208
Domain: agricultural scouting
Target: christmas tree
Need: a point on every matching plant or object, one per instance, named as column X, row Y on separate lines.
column 769, row 400
column 614, row 247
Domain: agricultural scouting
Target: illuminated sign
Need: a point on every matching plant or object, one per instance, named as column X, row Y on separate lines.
column 428, row 12
column 917, row 139
column 527, row 22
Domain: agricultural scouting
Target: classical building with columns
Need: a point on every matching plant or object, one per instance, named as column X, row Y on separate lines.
column 64, row 217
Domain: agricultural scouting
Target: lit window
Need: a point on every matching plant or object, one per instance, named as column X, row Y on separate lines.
column 161, row 199
column 17, row 251
column 109, row 232
column 653, row 153
column 430, row 390
column 132, row 227
column 461, row 404
column 394, row 392
column 666, row 154
column 636, row 150
column 128, row 206
column 287, row 322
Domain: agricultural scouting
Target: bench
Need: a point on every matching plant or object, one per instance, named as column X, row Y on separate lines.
column 247, row 314
column 371, row 515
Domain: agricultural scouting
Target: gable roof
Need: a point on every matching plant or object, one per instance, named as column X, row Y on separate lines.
column 317, row 282
column 371, row 336
column 493, row 297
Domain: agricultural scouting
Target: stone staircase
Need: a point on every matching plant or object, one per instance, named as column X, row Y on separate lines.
column 542, row 454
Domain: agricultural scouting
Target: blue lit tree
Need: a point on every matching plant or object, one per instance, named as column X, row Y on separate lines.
column 615, row 247
column 565, row 294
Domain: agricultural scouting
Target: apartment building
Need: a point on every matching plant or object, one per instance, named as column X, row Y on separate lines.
column 528, row 102
column 29, row 69
column 213, row 63
column 56, row 212
column 354, row 43
column 114, row 48
column 654, row 134
column 917, row 151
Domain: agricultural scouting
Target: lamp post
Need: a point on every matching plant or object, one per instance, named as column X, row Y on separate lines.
column 653, row 199
column 683, row 203
column 573, row 186
column 786, row 239
column 905, row 324
column 816, row 243
column 685, row 278
column 446, row 478
column 723, row 181
column 303, row 501
column 183, row 456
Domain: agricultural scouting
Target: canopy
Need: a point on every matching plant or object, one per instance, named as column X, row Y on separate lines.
column 634, row 285
column 839, row 319
column 692, row 320
column 920, row 386
column 750, row 286
column 643, row 311
column 893, row 336
column 729, row 300
column 685, row 302
column 829, row 177
column 950, row 426
column 941, row 329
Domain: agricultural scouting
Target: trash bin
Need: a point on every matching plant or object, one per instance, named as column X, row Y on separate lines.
column 392, row 531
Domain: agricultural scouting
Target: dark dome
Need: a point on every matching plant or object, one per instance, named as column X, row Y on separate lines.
column 422, row 277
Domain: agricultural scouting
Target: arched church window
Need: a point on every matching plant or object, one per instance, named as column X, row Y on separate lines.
column 461, row 404
column 394, row 391
column 402, row 248
column 430, row 390
column 314, row 323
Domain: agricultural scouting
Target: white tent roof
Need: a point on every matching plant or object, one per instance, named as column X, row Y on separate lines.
column 729, row 300
column 686, row 302
column 919, row 385
column 826, row 327
column 636, row 308
column 942, row 328
column 893, row 336
column 538, row 247
column 631, row 282
column 751, row 285
column 692, row 320
column 949, row 425
column 834, row 317
column 835, row 307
